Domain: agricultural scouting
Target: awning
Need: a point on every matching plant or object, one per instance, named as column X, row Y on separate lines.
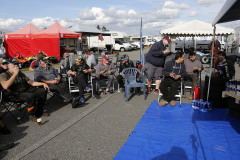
column 229, row 12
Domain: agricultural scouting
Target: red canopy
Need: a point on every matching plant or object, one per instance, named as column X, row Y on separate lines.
column 30, row 40
column 20, row 41
column 48, row 39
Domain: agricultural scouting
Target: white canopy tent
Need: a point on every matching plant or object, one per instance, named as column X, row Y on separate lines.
column 196, row 28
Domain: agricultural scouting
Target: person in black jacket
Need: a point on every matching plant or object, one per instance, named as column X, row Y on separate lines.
column 126, row 63
column 154, row 62
column 173, row 71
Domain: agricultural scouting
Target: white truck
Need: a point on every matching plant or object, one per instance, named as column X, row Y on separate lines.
column 113, row 42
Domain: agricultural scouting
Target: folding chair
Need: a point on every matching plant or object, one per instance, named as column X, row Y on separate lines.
column 72, row 87
column 178, row 95
column 130, row 76
column 8, row 100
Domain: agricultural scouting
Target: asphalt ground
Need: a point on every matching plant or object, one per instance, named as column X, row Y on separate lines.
column 96, row 130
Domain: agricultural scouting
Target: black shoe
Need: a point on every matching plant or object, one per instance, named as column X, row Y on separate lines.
column 5, row 130
column 74, row 103
column 6, row 146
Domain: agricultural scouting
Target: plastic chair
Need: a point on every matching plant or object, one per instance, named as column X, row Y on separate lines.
column 130, row 76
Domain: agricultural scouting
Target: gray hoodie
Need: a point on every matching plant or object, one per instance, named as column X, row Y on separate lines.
column 105, row 68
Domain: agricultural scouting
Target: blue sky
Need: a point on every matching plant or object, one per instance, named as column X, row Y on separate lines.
column 117, row 15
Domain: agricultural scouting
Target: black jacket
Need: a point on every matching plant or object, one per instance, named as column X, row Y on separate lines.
column 155, row 55
column 123, row 66
column 173, row 67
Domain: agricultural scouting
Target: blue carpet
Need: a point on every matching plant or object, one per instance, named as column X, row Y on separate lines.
column 182, row 133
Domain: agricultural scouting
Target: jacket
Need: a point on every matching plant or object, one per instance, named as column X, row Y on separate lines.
column 155, row 55
column 173, row 67
column 105, row 68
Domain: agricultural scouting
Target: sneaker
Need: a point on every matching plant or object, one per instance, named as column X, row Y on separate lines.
column 81, row 101
column 99, row 91
column 122, row 89
column 156, row 91
column 163, row 103
column 88, row 89
column 107, row 90
column 172, row 103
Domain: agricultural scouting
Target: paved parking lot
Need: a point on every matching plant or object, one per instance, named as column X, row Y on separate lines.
column 96, row 130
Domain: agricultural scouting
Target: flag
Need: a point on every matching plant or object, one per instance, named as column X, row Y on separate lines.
column 100, row 37
column 141, row 49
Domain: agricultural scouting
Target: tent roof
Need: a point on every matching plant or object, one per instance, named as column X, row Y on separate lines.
column 87, row 30
column 30, row 28
column 229, row 12
column 57, row 31
column 197, row 28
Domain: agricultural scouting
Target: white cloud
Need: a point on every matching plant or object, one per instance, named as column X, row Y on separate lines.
column 194, row 13
column 173, row 5
column 11, row 24
column 206, row 2
column 131, row 12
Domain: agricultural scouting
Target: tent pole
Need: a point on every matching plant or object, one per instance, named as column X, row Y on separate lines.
column 214, row 31
column 195, row 43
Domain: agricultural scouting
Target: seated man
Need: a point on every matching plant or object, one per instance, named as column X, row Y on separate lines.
column 105, row 69
column 47, row 74
column 17, row 82
column 80, row 71
column 225, row 67
column 173, row 71
column 35, row 63
column 126, row 63
column 193, row 67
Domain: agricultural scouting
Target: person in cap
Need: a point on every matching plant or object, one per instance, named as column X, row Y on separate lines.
column 13, row 80
column 64, row 64
column 225, row 67
column 4, row 66
column 35, row 63
column 154, row 62
column 105, row 70
column 126, row 63
column 49, row 75
column 79, row 71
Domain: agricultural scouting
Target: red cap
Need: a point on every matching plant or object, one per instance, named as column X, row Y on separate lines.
column 105, row 57
column 167, row 38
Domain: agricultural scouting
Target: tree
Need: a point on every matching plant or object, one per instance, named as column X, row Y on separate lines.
column 98, row 27
column 104, row 29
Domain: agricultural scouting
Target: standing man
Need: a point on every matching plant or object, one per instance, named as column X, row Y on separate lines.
column 78, row 45
column 155, row 59
column 173, row 71
column 193, row 68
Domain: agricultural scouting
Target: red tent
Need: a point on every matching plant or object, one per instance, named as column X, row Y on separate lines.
column 48, row 39
column 20, row 41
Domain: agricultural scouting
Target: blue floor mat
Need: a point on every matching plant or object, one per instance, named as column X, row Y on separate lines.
column 182, row 133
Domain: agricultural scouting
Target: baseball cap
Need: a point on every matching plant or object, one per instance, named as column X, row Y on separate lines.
column 4, row 61
column 125, row 57
column 105, row 57
column 65, row 55
column 43, row 59
column 167, row 38
column 79, row 58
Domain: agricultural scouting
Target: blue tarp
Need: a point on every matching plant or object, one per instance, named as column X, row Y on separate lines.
column 174, row 133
